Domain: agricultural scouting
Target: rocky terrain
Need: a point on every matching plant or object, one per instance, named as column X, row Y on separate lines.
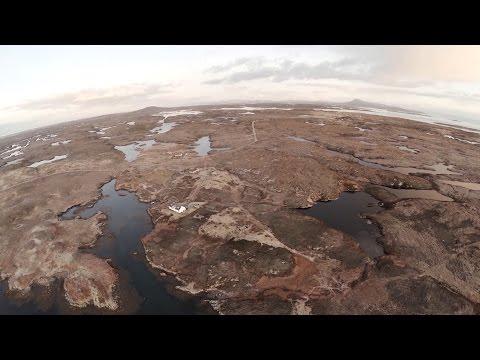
column 228, row 229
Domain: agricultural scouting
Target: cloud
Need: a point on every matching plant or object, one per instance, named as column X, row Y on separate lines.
column 402, row 66
column 82, row 104
column 260, row 73
column 429, row 78
column 282, row 70
column 421, row 76
column 96, row 97
column 431, row 63
column 249, row 62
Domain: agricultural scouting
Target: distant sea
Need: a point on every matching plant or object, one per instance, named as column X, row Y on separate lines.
column 14, row 128
column 437, row 119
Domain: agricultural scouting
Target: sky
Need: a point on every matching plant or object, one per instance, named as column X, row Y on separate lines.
column 41, row 85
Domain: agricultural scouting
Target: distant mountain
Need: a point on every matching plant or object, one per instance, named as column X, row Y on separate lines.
column 357, row 103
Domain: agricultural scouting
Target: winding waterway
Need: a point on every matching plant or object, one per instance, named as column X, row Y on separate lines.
column 127, row 222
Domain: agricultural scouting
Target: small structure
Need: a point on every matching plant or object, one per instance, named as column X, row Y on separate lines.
column 177, row 208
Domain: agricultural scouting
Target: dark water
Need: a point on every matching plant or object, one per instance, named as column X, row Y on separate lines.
column 165, row 127
column 344, row 214
column 40, row 300
column 8, row 306
column 203, row 146
column 128, row 221
column 131, row 151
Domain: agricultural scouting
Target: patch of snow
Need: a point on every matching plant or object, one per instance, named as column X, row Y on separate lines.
column 251, row 108
column 61, row 142
column 190, row 288
column 297, row 138
column 462, row 140
column 405, row 148
column 13, row 162
column 56, row 158
column 17, row 147
column 361, row 129
column 130, row 123
column 167, row 114
column 15, row 153
column 46, row 138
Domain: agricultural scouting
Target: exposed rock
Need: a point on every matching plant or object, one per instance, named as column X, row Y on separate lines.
column 241, row 244
column 437, row 239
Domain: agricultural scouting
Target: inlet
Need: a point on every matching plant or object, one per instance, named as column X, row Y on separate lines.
column 346, row 214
